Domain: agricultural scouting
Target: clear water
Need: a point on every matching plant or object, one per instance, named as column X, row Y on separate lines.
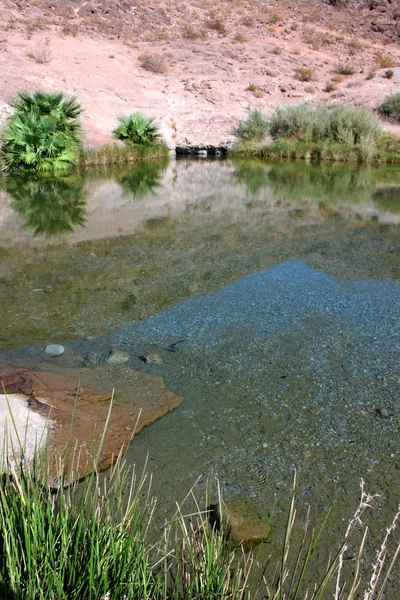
column 270, row 291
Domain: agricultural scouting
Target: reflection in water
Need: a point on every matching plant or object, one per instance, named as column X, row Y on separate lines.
column 388, row 198
column 50, row 206
column 300, row 180
column 143, row 179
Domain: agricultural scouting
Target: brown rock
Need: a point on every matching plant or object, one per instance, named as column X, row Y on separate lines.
column 244, row 526
column 83, row 397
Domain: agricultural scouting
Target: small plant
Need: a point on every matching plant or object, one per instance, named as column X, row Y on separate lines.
column 41, row 53
column 390, row 108
column 255, row 89
column 329, row 87
column 137, row 129
column 388, row 74
column 304, row 73
column 254, row 127
column 345, row 69
column 156, row 63
column 370, row 75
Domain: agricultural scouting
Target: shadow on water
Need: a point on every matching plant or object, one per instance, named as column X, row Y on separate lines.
column 50, row 206
column 333, row 183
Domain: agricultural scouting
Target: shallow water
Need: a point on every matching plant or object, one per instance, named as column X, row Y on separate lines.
column 270, row 292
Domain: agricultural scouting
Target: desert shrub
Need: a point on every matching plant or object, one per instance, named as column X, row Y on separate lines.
column 190, row 33
column 254, row 127
column 217, row 25
column 304, row 73
column 156, row 63
column 348, row 126
column 137, row 129
column 239, row 38
column 390, row 108
column 43, row 134
column 385, row 61
column 345, row 69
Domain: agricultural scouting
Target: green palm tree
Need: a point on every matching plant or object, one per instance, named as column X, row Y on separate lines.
column 43, row 134
column 137, row 129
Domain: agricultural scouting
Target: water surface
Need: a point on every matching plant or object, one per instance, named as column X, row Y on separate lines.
column 270, row 292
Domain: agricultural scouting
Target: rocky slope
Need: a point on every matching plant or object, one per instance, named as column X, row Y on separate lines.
column 198, row 66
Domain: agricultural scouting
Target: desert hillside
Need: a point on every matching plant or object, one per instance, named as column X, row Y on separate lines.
column 198, row 66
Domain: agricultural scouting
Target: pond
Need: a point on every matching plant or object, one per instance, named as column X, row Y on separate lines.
column 268, row 295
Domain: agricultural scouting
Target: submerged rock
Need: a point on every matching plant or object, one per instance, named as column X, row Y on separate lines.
column 243, row 525
column 152, row 358
column 117, row 357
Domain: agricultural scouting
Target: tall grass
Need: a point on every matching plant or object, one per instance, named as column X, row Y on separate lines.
column 115, row 154
column 97, row 541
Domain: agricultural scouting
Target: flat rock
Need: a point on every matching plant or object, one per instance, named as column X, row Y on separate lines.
column 83, row 397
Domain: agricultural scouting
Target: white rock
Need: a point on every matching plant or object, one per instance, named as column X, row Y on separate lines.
column 54, row 349
column 19, row 425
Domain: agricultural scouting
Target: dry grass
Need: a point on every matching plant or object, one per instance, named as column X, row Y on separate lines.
column 153, row 62
column 317, row 39
column 239, row 38
column 329, row 87
column 216, row 24
column 385, row 61
column 190, row 33
column 304, row 73
column 41, row 52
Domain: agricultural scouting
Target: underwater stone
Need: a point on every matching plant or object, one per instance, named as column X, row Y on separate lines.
column 54, row 349
column 117, row 357
column 152, row 358
column 244, row 526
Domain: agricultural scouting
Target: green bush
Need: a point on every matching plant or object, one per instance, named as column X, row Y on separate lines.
column 348, row 126
column 43, row 134
column 254, row 127
column 390, row 108
column 137, row 129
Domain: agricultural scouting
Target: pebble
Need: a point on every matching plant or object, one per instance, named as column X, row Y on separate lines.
column 54, row 349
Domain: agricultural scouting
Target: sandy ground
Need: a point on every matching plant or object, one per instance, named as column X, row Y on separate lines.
column 207, row 84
